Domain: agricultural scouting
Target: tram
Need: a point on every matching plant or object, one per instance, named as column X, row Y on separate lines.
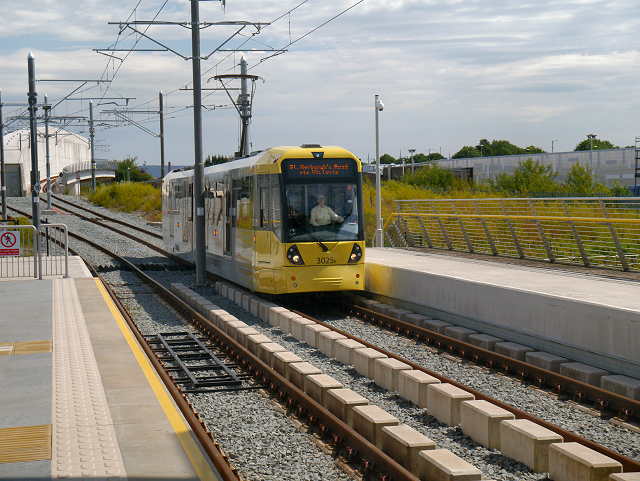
column 285, row 220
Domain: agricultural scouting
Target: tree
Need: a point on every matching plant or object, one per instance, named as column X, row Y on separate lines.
column 529, row 176
column 436, row 156
column 387, row 159
column 495, row 148
column 466, row 152
column 597, row 145
column 216, row 159
column 532, row 149
column 420, row 158
column 127, row 168
column 582, row 180
column 433, row 175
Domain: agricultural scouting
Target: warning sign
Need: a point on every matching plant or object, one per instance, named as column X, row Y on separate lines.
column 9, row 243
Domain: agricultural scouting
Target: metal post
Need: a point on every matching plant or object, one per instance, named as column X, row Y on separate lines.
column 93, row 157
column 33, row 107
column 35, row 182
column 378, row 241
column 591, row 137
column 161, row 99
column 413, row 166
column 47, row 109
column 3, row 183
column 245, row 103
column 198, row 167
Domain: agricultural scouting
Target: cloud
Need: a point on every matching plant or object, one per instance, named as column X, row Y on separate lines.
column 450, row 71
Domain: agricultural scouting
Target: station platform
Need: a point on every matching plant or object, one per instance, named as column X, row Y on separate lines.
column 542, row 307
column 78, row 399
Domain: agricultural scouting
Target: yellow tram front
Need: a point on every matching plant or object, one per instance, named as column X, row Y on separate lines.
column 323, row 225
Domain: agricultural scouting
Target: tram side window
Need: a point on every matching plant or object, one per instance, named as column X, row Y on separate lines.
column 244, row 211
column 276, row 216
column 264, row 207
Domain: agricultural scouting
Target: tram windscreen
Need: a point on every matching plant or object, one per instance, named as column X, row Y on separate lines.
column 322, row 212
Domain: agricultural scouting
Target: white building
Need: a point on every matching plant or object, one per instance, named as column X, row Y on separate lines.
column 65, row 148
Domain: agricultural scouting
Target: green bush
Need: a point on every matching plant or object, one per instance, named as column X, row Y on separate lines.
column 129, row 197
column 530, row 176
column 434, row 176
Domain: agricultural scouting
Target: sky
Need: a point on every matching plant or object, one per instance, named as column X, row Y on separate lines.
column 449, row 72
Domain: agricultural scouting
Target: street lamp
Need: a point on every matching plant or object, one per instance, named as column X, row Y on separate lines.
column 412, row 151
column 378, row 239
column 552, row 144
column 591, row 137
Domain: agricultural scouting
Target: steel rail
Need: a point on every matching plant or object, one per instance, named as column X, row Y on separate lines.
column 308, row 405
column 154, row 247
column 218, row 459
column 110, row 219
column 368, row 451
column 203, row 435
column 354, row 439
column 511, row 365
column 374, row 457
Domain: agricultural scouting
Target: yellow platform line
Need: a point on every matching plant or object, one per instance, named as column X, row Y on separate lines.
column 198, row 461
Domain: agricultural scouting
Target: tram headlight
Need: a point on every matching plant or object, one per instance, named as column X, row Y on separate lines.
column 356, row 254
column 293, row 255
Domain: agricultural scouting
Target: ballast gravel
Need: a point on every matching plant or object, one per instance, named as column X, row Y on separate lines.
column 261, row 442
column 490, row 462
column 264, row 445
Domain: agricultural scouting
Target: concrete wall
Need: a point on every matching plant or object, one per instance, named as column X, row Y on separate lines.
column 597, row 316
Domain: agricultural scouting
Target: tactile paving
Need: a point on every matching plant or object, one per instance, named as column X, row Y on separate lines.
column 32, row 347
column 26, row 443
column 84, row 443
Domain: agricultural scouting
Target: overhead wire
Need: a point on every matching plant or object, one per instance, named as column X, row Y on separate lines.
column 248, row 38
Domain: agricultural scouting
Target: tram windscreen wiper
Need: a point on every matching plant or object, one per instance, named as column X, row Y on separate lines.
column 306, row 229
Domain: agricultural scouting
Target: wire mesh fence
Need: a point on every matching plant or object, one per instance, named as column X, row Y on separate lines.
column 587, row 231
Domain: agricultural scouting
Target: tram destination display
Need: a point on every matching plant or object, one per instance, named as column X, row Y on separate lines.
column 326, row 168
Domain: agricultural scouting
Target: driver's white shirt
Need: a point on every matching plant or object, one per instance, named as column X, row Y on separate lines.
column 321, row 215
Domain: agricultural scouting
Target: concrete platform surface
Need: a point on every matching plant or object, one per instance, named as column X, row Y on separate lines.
column 586, row 311
column 77, row 393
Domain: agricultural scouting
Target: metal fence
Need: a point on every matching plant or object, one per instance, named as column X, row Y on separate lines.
column 27, row 252
column 587, row 231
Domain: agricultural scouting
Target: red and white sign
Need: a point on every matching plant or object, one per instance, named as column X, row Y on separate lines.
column 9, row 243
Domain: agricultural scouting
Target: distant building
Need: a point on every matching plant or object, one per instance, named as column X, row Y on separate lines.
column 610, row 165
column 65, row 148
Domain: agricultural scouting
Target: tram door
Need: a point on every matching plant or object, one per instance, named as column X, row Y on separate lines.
column 186, row 211
column 229, row 213
column 262, row 226
column 171, row 209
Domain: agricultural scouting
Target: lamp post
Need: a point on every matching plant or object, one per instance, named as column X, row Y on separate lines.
column 412, row 151
column 591, row 137
column 378, row 239
column 552, row 144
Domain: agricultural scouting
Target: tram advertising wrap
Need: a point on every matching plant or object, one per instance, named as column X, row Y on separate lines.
column 285, row 220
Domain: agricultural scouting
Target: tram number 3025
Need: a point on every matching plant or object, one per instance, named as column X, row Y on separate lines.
column 326, row 260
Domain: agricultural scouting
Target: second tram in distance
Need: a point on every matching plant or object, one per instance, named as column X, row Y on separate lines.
column 285, row 220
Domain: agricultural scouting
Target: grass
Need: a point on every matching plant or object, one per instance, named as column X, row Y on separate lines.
column 142, row 199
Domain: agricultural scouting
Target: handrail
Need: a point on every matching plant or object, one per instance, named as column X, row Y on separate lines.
column 590, row 232
column 601, row 220
column 29, row 261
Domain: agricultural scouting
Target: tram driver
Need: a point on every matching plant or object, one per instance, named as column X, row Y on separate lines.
column 322, row 214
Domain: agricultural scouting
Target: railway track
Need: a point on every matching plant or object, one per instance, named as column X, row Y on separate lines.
column 330, row 433
column 589, row 396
